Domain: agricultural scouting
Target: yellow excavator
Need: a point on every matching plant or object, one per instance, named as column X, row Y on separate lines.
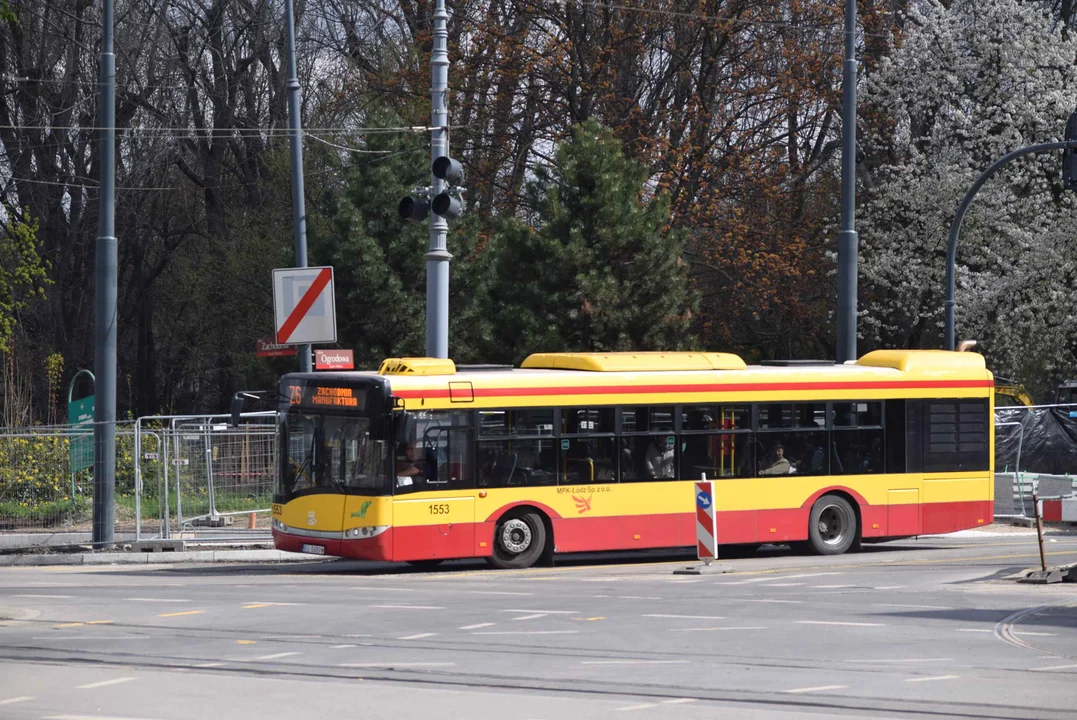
column 1012, row 392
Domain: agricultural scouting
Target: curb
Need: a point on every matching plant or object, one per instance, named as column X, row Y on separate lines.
column 158, row 558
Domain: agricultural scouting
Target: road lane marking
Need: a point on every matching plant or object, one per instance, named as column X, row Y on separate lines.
column 104, row 683
column 531, row 617
column 391, row 664
column 914, row 607
column 100, row 622
column 678, row 701
column 339, row 647
column 1029, row 632
column 359, row 636
column 254, row 606
column 782, row 584
column 528, row 632
column 828, row 587
column 900, row 660
column 638, row 597
column 789, row 602
column 889, row 587
column 407, row 607
column 46, row 597
column 498, row 592
column 1055, row 667
column 974, row 630
column 711, row 629
column 636, row 707
column 936, row 677
column 819, row 688
column 92, row 638
column 246, row 642
column 12, row 701
column 88, row 717
column 417, row 636
column 164, row 600
column 836, row 622
column 547, row 612
column 783, row 577
column 476, row 626
column 185, row 612
column 210, row 665
column 633, row 662
column 275, row 656
column 72, row 624
column 686, row 617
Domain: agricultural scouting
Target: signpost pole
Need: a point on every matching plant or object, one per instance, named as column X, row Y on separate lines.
column 299, row 210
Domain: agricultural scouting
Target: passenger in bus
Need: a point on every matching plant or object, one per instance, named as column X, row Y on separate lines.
column 658, row 461
column 777, row 463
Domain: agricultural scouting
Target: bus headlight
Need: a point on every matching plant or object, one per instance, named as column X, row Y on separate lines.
column 365, row 532
column 279, row 526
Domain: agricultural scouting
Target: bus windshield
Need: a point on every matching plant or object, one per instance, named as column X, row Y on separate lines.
column 333, row 453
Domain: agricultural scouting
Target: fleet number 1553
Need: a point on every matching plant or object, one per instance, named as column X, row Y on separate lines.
column 439, row 509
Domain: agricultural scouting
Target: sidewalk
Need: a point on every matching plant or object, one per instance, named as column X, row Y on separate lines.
column 155, row 558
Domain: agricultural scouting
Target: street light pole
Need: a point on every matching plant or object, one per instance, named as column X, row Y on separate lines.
column 104, row 429
column 949, row 304
column 299, row 211
column 438, row 256
column 847, row 238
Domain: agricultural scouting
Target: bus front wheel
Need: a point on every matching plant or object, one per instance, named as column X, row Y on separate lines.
column 519, row 541
column 832, row 526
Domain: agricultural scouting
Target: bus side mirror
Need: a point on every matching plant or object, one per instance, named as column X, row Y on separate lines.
column 238, row 400
column 403, row 427
column 237, row 408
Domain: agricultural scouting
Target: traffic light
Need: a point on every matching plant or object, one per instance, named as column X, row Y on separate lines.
column 448, row 169
column 446, row 206
column 413, row 209
column 452, row 172
column 1069, row 156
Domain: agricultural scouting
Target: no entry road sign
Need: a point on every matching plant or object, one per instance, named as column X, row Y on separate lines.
column 304, row 308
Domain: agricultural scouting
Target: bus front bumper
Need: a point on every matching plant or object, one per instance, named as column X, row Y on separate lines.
column 378, row 545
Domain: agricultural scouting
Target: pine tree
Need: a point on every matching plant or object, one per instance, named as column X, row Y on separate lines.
column 602, row 270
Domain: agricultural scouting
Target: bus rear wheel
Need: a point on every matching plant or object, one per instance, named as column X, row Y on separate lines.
column 519, row 541
column 832, row 526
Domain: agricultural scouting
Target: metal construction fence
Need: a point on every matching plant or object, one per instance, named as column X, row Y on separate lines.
column 176, row 477
column 198, row 476
column 46, row 477
column 1035, row 453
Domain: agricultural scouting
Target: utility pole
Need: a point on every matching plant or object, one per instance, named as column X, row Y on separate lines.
column 847, row 239
column 104, row 429
column 438, row 256
column 299, row 210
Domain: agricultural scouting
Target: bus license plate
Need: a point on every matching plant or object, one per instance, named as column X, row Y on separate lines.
column 313, row 549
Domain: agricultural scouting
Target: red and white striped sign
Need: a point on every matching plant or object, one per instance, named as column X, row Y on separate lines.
column 706, row 521
column 304, row 309
column 1063, row 510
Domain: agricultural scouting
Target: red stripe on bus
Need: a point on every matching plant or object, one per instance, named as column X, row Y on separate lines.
column 732, row 387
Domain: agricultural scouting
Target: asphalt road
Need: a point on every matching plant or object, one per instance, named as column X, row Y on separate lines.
column 921, row 628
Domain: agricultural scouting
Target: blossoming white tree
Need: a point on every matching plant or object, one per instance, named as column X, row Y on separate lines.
column 967, row 84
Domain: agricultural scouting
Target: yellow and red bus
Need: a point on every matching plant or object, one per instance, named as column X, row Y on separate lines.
column 425, row 460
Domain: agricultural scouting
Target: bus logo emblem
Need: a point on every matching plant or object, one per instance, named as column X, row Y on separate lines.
column 583, row 504
column 311, row 520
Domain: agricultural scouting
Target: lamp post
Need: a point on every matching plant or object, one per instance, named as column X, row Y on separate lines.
column 949, row 304
column 105, row 261
column 847, row 238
